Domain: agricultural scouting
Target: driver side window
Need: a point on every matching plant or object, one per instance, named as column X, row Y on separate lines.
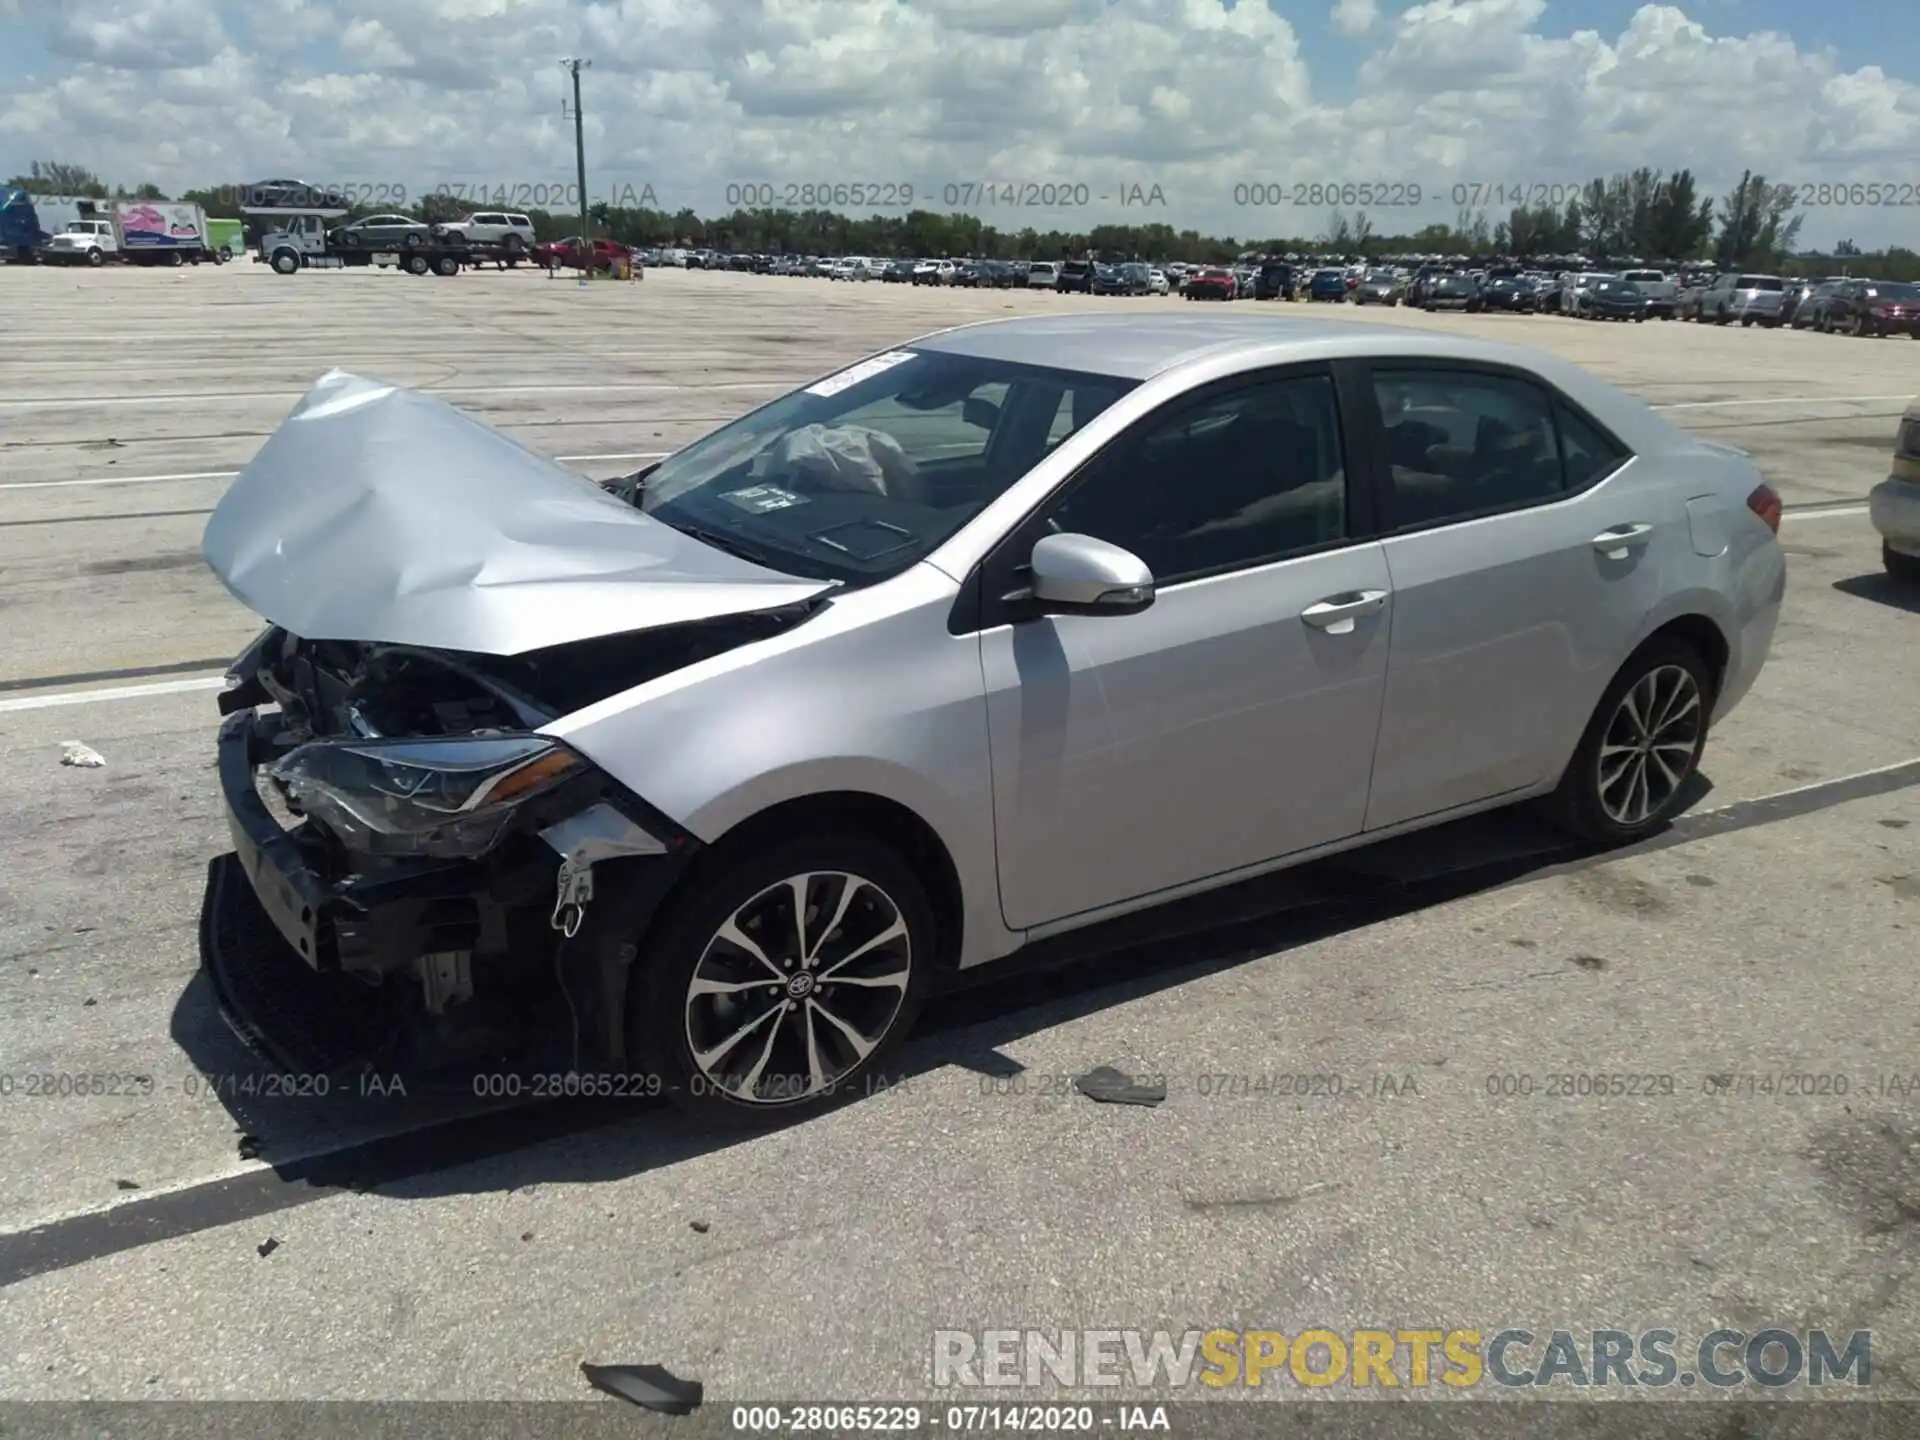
column 1240, row 478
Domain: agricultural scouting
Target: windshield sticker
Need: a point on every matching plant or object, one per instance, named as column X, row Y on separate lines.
column 762, row 499
column 865, row 370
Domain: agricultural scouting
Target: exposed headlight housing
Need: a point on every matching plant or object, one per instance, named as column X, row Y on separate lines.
column 442, row 798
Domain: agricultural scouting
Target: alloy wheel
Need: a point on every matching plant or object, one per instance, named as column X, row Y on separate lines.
column 798, row 988
column 1650, row 744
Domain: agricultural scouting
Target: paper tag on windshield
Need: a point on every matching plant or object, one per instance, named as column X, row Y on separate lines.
column 854, row 374
column 760, row 499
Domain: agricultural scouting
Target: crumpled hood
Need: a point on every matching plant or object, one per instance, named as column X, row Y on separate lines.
column 381, row 514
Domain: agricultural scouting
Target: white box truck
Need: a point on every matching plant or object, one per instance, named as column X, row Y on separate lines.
column 140, row 232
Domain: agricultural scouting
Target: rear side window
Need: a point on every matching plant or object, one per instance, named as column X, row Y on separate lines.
column 1587, row 454
column 1758, row 282
column 1461, row 443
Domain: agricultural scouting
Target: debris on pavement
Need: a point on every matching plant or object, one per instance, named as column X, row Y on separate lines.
column 73, row 752
column 127, row 1184
column 250, row 1147
column 268, row 1248
column 1108, row 1086
column 652, row 1387
column 700, row 1227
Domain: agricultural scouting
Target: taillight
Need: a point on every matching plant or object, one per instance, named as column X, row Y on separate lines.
column 1765, row 503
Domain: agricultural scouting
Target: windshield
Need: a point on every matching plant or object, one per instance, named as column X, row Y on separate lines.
column 1758, row 282
column 861, row 475
column 1902, row 293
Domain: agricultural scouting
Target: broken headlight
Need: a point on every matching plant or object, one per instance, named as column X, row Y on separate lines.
column 445, row 798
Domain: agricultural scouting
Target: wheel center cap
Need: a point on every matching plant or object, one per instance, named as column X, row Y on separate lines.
column 800, row 986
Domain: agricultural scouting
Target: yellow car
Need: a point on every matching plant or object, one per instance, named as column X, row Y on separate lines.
column 1894, row 503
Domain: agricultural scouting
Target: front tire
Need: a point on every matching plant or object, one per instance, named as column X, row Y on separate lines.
column 1900, row 567
column 1642, row 747
column 783, row 977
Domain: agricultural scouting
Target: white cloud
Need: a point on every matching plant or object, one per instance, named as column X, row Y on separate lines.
column 1355, row 17
column 689, row 95
column 136, row 34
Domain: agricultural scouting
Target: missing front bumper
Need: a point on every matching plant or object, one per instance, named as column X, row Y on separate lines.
column 325, row 962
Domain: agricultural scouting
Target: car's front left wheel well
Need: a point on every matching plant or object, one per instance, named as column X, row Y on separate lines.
column 887, row 821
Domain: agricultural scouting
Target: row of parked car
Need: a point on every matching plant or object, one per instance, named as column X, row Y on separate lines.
column 1836, row 304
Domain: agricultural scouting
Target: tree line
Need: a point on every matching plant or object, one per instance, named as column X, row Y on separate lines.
column 1647, row 214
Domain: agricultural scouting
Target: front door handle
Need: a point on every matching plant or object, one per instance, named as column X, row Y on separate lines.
column 1336, row 613
column 1614, row 543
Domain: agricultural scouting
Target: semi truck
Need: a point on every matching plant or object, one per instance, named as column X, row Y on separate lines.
column 138, row 232
column 295, row 240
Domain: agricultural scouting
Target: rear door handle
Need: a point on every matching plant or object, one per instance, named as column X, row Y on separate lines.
column 1614, row 543
column 1336, row 613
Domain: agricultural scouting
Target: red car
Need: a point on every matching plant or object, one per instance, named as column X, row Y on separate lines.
column 566, row 254
column 1211, row 285
column 1873, row 307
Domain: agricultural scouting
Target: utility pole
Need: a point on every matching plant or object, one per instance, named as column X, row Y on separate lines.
column 580, row 160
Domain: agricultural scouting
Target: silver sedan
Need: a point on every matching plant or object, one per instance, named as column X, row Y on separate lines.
column 1015, row 628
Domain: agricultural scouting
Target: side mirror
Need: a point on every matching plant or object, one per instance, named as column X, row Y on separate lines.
column 1079, row 575
column 981, row 414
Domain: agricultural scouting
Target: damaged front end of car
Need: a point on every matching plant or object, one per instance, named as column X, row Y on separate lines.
column 420, row 876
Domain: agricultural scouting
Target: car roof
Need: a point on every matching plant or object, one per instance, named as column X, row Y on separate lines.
column 1138, row 346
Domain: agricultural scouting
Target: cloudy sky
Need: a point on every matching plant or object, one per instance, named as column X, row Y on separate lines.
column 1095, row 98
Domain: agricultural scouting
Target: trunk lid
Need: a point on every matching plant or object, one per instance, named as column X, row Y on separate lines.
column 376, row 513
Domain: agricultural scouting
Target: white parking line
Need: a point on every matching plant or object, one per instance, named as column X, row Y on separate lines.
column 1782, row 400
column 117, row 692
column 229, row 474
column 661, row 454
column 214, row 682
column 214, row 396
column 1840, row 513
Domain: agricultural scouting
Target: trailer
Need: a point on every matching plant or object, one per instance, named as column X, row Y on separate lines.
column 295, row 240
column 21, row 231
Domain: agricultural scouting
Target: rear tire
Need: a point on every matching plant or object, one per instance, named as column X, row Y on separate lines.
column 1629, row 774
column 1905, row 568
column 811, row 1058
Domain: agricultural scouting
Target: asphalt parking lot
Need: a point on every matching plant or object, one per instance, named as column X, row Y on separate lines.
column 203, row 1242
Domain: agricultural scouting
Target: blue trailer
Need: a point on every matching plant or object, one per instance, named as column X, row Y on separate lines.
column 21, row 234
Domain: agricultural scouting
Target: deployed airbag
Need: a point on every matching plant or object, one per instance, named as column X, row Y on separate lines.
column 841, row 457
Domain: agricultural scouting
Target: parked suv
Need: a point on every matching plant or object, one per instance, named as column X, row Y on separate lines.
column 1076, row 276
column 1043, row 274
column 1750, row 299
column 1274, row 281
